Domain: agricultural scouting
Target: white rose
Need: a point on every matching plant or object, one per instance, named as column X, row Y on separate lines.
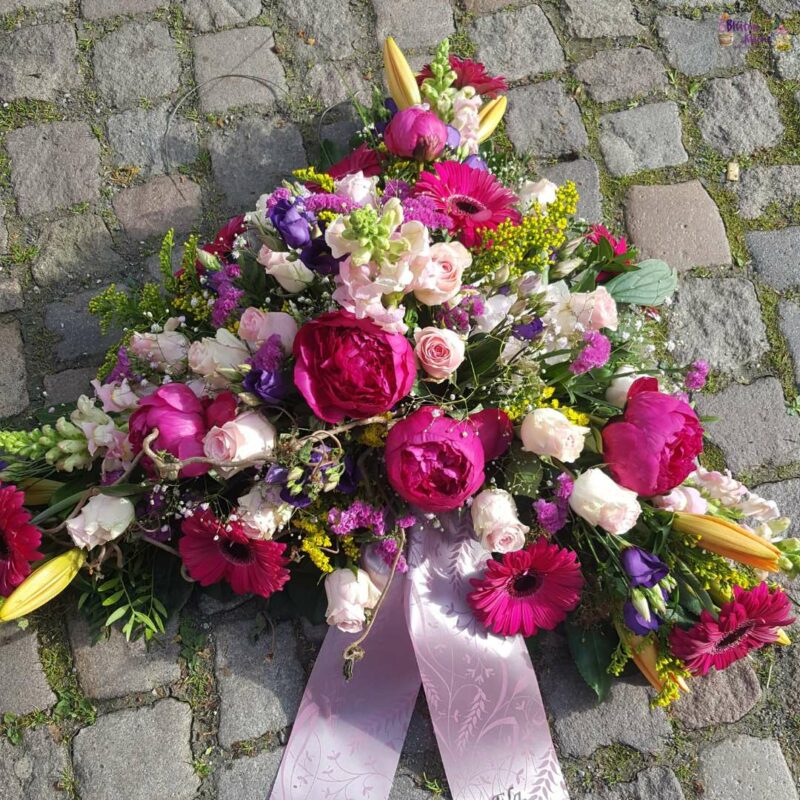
column 101, row 520
column 249, row 437
column 358, row 188
column 292, row 275
column 224, row 351
column 542, row 192
column 547, row 432
column 624, row 378
column 263, row 511
column 349, row 596
column 497, row 526
column 601, row 501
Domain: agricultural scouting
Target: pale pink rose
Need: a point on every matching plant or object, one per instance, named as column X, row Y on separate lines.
column 594, row 310
column 101, row 520
column 547, row 432
column 256, row 326
column 224, row 351
column 600, row 501
column 165, row 351
column 115, row 397
column 497, row 526
column 247, row 438
column 438, row 277
column 358, row 188
column 263, row 511
column 292, row 275
column 682, row 498
column 719, row 486
column 349, row 596
column 440, row 352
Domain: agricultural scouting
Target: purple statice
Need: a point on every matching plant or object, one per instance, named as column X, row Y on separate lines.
column 565, row 486
column 697, row 375
column 551, row 516
column 281, row 193
column 359, row 515
column 396, row 188
column 387, row 550
column 122, row 369
column 528, row 330
column 267, row 379
column 595, row 354
column 329, row 202
column 109, row 478
column 423, row 209
column 270, row 355
column 228, row 295
column 461, row 316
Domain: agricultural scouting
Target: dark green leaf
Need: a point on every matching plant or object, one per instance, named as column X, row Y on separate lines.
column 56, row 508
column 523, row 471
column 171, row 591
column 124, row 490
column 592, row 649
column 482, row 354
column 650, row 285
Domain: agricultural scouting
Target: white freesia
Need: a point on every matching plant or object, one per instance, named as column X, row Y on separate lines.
column 547, row 432
column 263, row 511
column 600, row 501
column 349, row 596
column 101, row 520
column 496, row 523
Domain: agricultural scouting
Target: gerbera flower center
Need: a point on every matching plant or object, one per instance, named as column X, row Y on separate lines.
column 236, row 552
column 464, row 204
column 525, row 585
column 734, row 636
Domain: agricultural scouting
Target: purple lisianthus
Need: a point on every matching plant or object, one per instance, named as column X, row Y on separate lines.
column 528, row 330
column 453, row 137
column 476, row 162
column 270, row 386
column 644, row 569
column 637, row 623
column 292, row 221
column 317, row 256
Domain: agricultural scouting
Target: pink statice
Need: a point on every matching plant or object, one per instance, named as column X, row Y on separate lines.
column 329, row 202
column 595, row 354
column 697, row 375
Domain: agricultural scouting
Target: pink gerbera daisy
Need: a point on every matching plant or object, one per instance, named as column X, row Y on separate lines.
column 746, row 623
column 471, row 198
column 470, row 73
column 19, row 540
column 363, row 159
column 528, row 590
column 212, row 551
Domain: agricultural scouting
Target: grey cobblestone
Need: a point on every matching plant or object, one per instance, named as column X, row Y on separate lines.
column 100, row 9
column 787, row 495
column 590, row 19
column 10, row 294
column 67, row 386
column 775, row 257
column 692, row 47
column 207, row 15
column 415, row 24
column 761, row 186
column 788, row 62
column 656, row 783
column 584, row 173
column 621, row 74
column 164, row 201
column 250, row 778
column 789, row 314
column 24, row 687
column 3, row 230
column 32, row 770
column 13, row 376
column 333, row 26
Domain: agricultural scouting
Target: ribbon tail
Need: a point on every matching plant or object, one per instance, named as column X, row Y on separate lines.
column 347, row 737
column 482, row 693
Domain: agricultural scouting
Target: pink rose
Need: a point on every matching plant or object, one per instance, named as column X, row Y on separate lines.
column 247, row 437
column 434, row 461
column 594, row 310
column 349, row 596
column 439, row 278
column 256, row 326
column 292, row 274
column 348, row 367
column 496, row 523
column 224, row 351
column 416, row 133
column 440, row 352
column 165, row 351
column 182, row 420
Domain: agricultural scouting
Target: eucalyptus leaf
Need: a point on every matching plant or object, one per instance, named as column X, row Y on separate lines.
column 592, row 650
column 650, row 285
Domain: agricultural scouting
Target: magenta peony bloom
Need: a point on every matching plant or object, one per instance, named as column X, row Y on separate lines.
column 415, row 133
column 652, row 448
column 182, row 420
column 434, row 461
column 19, row 540
column 348, row 367
column 213, row 551
column 746, row 623
column 527, row 590
column 494, row 430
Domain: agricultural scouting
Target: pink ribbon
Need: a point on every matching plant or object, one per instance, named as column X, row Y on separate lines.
column 481, row 689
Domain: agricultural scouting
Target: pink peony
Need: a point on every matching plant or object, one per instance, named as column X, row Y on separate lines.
column 415, row 133
column 348, row 367
column 434, row 461
column 494, row 430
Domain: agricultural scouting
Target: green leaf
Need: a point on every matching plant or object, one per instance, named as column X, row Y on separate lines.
column 523, row 471
column 67, row 502
column 592, row 649
column 650, row 285
column 483, row 351
column 115, row 615
column 124, row 490
column 171, row 591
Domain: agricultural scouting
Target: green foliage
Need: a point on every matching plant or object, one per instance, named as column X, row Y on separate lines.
column 523, row 472
column 135, row 309
column 650, row 285
column 592, row 650
column 165, row 260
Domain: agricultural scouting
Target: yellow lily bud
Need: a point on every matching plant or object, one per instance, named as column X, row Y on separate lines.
column 489, row 117
column 645, row 655
column 42, row 585
column 399, row 76
column 727, row 539
column 38, row 491
column 783, row 637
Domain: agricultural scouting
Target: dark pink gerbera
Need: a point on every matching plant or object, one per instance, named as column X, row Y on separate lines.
column 471, row 198
column 746, row 623
column 527, row 590
column 212, row 551
column 19, row 540
column 363, row 158
column 470, row 73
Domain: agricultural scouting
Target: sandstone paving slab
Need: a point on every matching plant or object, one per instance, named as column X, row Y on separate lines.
column 249, row 778
column 10, row 294
column 789, row 318
column 656, row 783
column 32, row 769
column 13, row 376
column 504, row 43
column 746, row 768
column 53, row 166
column 679, row 224
column 145, row 750
column 138, row 60
column 250, row 158
column 543, row 120
column 776, row 257
column 787, row 495
column 647, row 137
column 739, row 115
column 242, row 51
column 719, row 320
column 692, row 46
column 260, row 685
column 333, row 26
column 115, row 667
column 137, row 138
column 719, row 697
column 584, row 174
column 207, row 15
column 165, row 201
column 622, row 74
column 753, row 428
column 74, row 251
column 38, row 62
column 68, row 385
column 787, row 62
column 591, row 19
column 24, row 687
column 415, row 24
column 760, row 186
column 100, row 9
column 581, row 724
column 78, row 330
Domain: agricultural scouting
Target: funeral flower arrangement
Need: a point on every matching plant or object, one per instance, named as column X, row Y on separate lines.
column 411, row 331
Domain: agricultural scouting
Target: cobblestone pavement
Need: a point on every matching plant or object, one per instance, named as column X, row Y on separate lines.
column 635, row 101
